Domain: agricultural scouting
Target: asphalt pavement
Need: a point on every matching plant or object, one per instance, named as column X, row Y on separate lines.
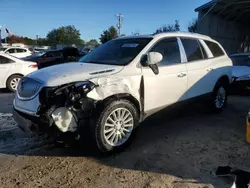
column 6, row 101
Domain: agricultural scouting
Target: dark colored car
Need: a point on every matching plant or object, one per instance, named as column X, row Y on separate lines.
column 85, row 51
column 54, row 57
column 240, row 72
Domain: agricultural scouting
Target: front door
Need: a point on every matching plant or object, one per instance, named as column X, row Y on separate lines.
column 170, row 85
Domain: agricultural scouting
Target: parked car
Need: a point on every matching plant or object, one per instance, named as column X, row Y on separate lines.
column 120, row 83
column 53, row 57
column 12, row 70
column 240, row 71
column 85, row 51
column 38, row 49
column 16, row 51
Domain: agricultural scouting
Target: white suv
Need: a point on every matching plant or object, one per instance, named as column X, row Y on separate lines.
column 119, row 84
column 17, row 51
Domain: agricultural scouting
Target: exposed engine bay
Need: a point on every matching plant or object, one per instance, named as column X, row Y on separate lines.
column 66, row 106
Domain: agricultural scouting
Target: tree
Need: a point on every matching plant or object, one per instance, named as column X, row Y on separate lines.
column 92, row 42
column 169, row 27
column 64, row 35
column 192, row 26
column 109, row 34
column 29, row 41
column 177, row 25
column 15, row 39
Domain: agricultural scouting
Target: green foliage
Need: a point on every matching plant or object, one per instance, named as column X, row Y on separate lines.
column 29, row 41
column 192, row 26
column 64, row 35
column 92, row 43
column 177, row 25
column 169, row 27
column 42, row 42
column 109, row 34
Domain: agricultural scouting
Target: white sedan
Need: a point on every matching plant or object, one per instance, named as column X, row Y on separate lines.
column 16, row 51
column 12, row 69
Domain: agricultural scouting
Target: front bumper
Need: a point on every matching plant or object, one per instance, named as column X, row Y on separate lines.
column 30, row 123
column 23, row 123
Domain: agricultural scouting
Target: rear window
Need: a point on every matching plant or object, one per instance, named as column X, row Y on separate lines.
column 214, row 48
column 243, row 60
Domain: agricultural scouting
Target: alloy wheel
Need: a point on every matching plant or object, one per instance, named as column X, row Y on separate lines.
column 118, row 126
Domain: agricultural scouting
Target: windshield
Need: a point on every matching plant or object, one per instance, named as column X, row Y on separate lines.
column 37, row 54
column 116, row 52
column 2, row 49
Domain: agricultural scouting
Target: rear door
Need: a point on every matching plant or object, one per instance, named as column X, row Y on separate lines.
column 20, row 52
column 198, row 65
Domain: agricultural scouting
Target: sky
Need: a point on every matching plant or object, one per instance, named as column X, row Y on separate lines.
column 37, row 17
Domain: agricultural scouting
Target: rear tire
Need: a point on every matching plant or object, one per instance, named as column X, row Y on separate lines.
column 219, row 96
column 116, row 125
column 12, row 82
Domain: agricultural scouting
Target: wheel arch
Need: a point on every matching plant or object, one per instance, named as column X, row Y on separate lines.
column 12, row 75
column 125, row 96
column 223, row 79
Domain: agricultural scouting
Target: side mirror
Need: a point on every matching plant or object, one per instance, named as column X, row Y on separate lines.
column 154, row 58
column 151, row 60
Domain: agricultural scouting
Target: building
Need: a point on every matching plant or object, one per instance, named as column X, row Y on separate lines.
column 227, row 21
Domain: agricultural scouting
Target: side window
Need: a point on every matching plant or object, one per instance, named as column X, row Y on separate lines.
column 170, row 51
column 214, row 48
column 49, row 54
column 11, row 51
column 4, row 60
column 19, row 50
column 192, row 49
column 58, row 54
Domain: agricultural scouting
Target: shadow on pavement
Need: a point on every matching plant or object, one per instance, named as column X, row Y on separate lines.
column 4, row 90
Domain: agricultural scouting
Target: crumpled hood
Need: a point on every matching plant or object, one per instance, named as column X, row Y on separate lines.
column 238, row 71
column 72, row 72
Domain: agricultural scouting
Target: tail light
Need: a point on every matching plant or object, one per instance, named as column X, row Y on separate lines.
column 33, row 66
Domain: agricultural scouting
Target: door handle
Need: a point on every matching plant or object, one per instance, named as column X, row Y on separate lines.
column 181, row 75
column 210, row 69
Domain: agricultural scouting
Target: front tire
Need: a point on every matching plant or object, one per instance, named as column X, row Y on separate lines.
column 219, row 96
column 12, row 82
column 115, row 127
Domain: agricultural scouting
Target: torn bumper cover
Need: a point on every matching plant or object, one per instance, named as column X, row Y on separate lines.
column 63, row 109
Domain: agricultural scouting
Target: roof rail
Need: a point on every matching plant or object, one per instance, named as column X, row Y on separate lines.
column 185, row 32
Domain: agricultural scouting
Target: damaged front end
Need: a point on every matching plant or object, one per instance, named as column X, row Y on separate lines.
column 62, row 110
